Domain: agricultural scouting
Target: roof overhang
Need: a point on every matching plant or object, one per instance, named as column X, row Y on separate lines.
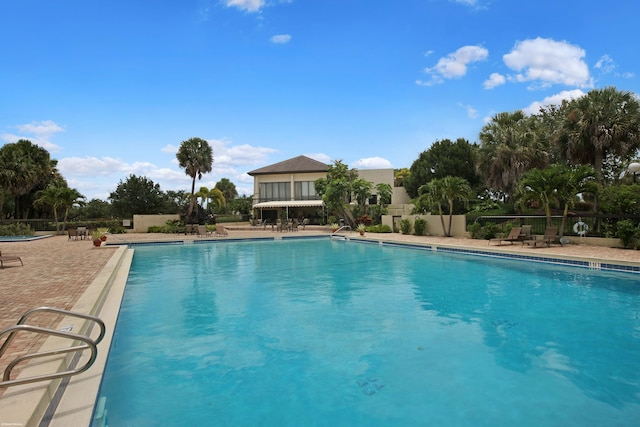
column 288, row 204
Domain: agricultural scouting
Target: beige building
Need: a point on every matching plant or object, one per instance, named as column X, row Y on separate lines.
column 286, row 189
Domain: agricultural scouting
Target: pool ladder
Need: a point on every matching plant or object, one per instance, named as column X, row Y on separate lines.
column 78, row 343
column 344, row 227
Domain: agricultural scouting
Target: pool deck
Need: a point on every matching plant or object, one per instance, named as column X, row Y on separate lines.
column 73, row 275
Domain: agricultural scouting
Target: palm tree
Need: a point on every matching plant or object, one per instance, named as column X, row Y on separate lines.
column 69, row 197
column 24, row 167
column 217, row 197
column 203, row 193
column 539, row 185
column 445, row 191
column 510, row 144
column 58, row 196
column 574, row 180
column 50, row 197
column 604, row 122
column 196, row 157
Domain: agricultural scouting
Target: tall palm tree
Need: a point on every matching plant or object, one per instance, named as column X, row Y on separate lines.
column 24, row 167
column 602, row 123
column 445, row 191
column 510, row 144
column 196, row 157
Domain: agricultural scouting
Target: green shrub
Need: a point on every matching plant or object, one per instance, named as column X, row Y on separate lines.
column 420, row 225
column 380, row 228
column 628, row 233
column 489, row 231
column 478, row 231
column 16, row 229
column 474, row 230
column 405, row 226
column 156, row 229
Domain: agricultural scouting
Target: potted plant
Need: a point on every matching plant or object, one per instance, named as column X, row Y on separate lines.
column 104, row 232
column 361, row 229
column 334, row 227
column 96, row 235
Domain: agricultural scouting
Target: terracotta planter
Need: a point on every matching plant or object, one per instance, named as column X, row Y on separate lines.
column 97, row 243
column 103, row 238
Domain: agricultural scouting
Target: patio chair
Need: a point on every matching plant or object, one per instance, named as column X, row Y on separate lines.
column 82, row 232
column 305, row 222
column 550, row 236
column 294, row 225
column 513, row 236
column 221, row 231
column 7, row 258
column 73, row 234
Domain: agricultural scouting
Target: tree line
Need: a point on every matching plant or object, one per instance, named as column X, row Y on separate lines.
column 572, row 155
column 31, row 187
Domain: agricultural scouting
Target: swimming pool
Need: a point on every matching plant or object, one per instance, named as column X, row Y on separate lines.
column 340, row 333
column 22, row 238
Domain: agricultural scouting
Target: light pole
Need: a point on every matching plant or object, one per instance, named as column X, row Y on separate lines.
column 634, row 168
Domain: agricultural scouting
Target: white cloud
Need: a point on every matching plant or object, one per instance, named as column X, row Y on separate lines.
column 169, row 148
column 471, row 112
column 246, row 5
column 495, row 79
column 454, row 65
column 39, row 133
column 605, row 64
column 556, row 99
column 321, row 157
column 547, row 62
column 466, row 2
column 281, row 39
column 372, row 163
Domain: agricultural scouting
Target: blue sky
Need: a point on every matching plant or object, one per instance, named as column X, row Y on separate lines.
column 113, row 88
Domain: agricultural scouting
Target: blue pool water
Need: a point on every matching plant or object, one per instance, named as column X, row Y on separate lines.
column 334, row 333
column 22, row 238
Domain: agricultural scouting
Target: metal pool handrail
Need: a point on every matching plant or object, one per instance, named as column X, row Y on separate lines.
column 87, row 343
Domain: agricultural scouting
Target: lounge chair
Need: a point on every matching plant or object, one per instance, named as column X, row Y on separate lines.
column 525, row 233
column 513, row 236
column 221, row 231
column 201, row 231
column 7, row 258
column 550, row 236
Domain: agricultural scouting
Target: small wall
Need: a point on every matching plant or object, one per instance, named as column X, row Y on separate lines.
column 596, row 241
column 434, row 225
column 141, row 223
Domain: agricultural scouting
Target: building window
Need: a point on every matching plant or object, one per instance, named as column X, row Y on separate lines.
column 305, row 190
column 270, row 191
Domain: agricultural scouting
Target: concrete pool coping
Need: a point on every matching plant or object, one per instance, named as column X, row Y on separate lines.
column 28, row 404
